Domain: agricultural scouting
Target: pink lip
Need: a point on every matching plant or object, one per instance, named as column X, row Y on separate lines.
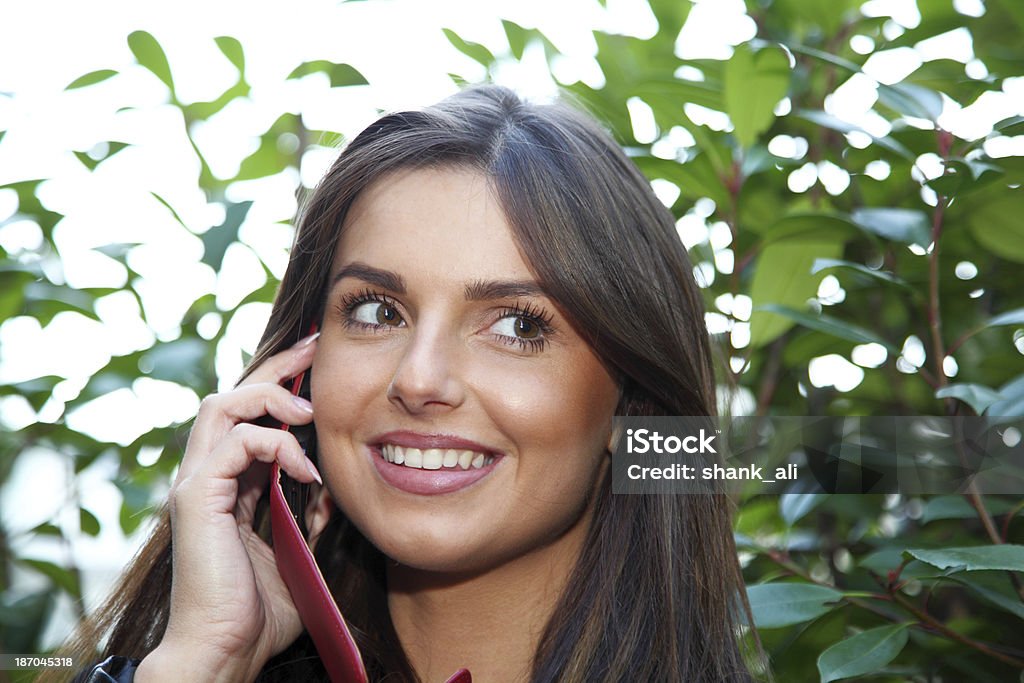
column 428, row 482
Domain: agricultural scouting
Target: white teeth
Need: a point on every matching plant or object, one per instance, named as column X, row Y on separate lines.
column 434, row 458
column 451, row 458
column 413, row 457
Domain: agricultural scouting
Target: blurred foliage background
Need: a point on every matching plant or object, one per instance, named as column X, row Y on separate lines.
column 855, row 222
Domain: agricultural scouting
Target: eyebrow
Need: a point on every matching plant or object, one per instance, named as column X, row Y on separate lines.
column 385, row 279
column 479, row 290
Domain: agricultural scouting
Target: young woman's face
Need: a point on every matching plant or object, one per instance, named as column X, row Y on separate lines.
column 461, row 421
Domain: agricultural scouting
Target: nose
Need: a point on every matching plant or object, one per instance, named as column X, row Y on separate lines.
column 426, row 380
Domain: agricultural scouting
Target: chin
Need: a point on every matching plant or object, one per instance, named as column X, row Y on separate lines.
column 435, row 550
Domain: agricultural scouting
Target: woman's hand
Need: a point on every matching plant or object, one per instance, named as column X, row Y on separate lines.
column 230, row 610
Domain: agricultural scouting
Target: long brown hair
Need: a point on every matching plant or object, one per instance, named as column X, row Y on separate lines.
column 656, row 594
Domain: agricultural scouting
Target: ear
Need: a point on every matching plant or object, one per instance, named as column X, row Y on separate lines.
column 318, row 513
column 616, row 435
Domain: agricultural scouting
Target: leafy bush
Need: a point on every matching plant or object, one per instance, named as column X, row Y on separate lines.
column 892, row 238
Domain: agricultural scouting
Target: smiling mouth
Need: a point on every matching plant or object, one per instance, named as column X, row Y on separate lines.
column 435, row 458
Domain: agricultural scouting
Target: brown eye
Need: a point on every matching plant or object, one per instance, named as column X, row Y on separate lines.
column 377, row 314
column 387, row 315
column 526, row 328
column 518, row 327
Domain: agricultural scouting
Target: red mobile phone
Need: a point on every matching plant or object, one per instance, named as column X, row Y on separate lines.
column 298, row 568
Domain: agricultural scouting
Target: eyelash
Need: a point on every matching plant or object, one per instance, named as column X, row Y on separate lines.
column 534, row 314
column 353, row 300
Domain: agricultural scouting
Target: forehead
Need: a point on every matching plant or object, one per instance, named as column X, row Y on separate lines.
column 444, row 219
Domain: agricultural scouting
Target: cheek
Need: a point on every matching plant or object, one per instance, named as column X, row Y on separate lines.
column 574, row 399
column 344, row 378
column 558, row 414
column 346, row 389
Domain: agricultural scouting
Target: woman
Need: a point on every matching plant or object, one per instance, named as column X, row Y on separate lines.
column 493, row 281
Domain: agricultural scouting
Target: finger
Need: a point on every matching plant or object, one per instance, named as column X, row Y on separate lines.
column 220, row 413
column 286, row 364
column 214, row 486
column 251, row 487
column 247, row 444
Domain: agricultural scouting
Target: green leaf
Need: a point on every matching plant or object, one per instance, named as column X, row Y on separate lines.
column 996, row 224
column 177, row 361
column 43, row 300
column 957, row 507
column 1013, row 406
column 882, row 561
column 91, row 78
column 37, row 391
column 475, row 51
column 826, row 18
column 232, row 49
column 962, row 177
column 23, row 619
column 947, row 76
column 974, row 558
column 46, row 529
column 60, row 576
column 149, row 54
column 671, row 16
column 827, row 120
column 812, row 226
column 995, row 588
column 793, row 506
column 341, row 75
column 862, row 654
column 695, row 179
column 103, row 382
column 216, row 240
column 270, row 157
column 516, row 36
column 88, row 523
column 775, row 605
column 829, row 325
column 1013, row 125
column 100, row 152
column 783, row 277
column 977, row 396
column 754, row 84
column 911, row 100
column 665, row 94
column 900, row 225
column 134, row 502
column 877, row 275
column 826, row 57
column 1015, row 317
column 170, row 208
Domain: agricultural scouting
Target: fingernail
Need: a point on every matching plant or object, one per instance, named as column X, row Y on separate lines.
column 307, row 341
column 304, row 405
column 313, row 471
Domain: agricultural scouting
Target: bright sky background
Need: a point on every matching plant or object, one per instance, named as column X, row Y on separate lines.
column 398, row 45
